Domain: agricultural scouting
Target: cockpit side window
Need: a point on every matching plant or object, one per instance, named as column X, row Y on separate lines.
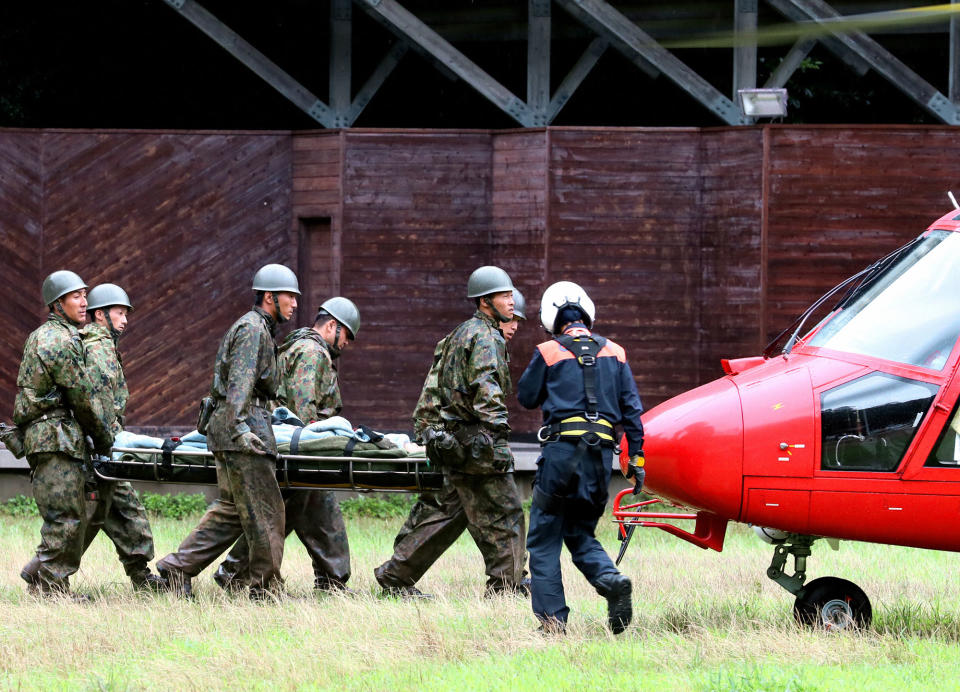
column 946, row 453
column 868, row 423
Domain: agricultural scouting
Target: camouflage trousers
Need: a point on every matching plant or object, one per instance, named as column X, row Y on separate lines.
column 488, row 506
column 250, row 505
column 125, row 522
column 59, row 487
column 314, row 515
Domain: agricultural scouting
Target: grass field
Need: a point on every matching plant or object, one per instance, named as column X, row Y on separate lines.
column 704, row 621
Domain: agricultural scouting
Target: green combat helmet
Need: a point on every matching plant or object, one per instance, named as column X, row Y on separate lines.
column 106, row 296
column 59, row 284
column 487, row 280
column 273, row 279
column 344, row 311
column 519, row 305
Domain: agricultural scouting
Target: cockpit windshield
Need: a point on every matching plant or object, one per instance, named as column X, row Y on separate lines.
column 909, row 313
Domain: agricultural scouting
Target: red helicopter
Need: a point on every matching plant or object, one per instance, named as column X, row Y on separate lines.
column 848, row 430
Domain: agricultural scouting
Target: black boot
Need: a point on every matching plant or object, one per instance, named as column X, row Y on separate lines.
column 179, row 583
column 616, row 588
column 148, row 581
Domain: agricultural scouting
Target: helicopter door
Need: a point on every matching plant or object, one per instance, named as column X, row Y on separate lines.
column 778, row 434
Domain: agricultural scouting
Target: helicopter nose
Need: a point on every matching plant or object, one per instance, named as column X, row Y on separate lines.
column 694, row 448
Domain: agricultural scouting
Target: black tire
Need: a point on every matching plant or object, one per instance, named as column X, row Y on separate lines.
column 833, row 604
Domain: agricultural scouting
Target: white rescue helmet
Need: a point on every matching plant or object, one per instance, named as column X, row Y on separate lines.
column 561, row 295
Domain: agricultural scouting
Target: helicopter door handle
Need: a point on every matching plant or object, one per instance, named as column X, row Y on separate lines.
column 785, row 445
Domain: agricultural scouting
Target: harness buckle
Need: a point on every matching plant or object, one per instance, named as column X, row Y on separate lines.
column 588, row 360
column 592, row 417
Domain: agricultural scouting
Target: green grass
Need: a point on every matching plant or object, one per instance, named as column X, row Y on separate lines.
column 704, row 621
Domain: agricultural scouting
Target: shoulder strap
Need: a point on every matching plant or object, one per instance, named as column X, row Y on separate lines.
column 585, row 350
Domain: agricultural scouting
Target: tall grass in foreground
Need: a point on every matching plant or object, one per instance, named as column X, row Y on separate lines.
column 704, row 621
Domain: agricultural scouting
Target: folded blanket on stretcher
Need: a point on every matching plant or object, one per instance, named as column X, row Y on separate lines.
column 327, row 438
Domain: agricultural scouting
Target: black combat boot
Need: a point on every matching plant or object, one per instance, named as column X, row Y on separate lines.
column 178, row 583
column 616, row 588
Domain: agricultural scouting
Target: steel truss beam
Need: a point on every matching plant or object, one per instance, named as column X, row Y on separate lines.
column 342, row 112
column 629, row 39
column 877, row 57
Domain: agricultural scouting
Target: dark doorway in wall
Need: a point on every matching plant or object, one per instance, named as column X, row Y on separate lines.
column 319, row 266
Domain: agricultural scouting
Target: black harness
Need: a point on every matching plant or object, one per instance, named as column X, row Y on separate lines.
column 589, row 431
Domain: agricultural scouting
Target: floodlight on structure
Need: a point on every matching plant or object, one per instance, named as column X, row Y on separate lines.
column 763, row 103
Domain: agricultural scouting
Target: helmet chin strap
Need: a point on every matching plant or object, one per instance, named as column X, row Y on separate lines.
column 496, row 313
column 276, row 303
column 58, row 308
column 113, row 330
column 335, row 346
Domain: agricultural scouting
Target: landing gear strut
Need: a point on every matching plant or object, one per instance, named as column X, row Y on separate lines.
column 828, row 602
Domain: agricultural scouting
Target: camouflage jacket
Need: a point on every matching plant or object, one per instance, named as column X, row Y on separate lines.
column 244, row 383
column 308, row 378
column 105, row 370
column 53, row 382
column 427, row 412
column 473, row 375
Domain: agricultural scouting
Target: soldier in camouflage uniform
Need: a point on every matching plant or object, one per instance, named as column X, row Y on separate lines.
column 245, row 379
column 126, row 522
column 427, row 509
column 310, row 389
column 470, row 444
column 56, row 410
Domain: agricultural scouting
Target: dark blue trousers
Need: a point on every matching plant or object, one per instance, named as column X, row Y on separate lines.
column 584, row 481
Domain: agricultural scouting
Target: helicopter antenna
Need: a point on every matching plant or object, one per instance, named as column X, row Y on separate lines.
column 953, row 199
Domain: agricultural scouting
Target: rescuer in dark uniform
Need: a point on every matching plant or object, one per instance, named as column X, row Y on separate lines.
column 585, row 387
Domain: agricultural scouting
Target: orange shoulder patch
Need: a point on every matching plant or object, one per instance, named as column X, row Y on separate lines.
column 552, row 352
column 611, row 349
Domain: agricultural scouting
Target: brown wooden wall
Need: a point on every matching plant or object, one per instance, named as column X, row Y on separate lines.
column 695, row 244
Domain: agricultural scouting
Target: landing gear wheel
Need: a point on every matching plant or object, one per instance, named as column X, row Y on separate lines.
column 833, row 604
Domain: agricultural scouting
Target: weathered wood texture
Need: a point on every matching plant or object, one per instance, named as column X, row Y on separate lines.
column 625, row 224
column 664, row 227
column 181, row 221
column 519, row 240
column 21, row 250
column 840, row 198
column 730, row 296
column 416, row 222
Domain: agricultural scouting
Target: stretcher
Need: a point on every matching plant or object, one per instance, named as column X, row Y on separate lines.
column 195, row 466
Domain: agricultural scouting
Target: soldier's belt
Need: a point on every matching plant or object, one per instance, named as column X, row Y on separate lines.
column 464, row 433
column 53, row 413
column 576, row 427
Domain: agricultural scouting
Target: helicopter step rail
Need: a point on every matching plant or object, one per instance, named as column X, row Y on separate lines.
column 708, row 532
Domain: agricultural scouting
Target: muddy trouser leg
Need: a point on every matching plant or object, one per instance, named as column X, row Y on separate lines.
column 234, row 571
column 495, row 521
column 316, row 518
column 128, row 527
column 58, row 487
column 433, row 531
column 219, row 527
column 260, row 511
column 96, row 513
column 426, row 504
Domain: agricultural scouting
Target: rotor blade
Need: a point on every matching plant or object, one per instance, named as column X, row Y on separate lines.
column 790, row 32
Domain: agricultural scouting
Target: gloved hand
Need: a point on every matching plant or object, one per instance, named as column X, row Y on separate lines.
column 636, row 471
column 248, row 442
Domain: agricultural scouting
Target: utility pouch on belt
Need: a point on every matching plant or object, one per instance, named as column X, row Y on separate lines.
column 445, row 450
column 12, row 438
column 207, row 404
